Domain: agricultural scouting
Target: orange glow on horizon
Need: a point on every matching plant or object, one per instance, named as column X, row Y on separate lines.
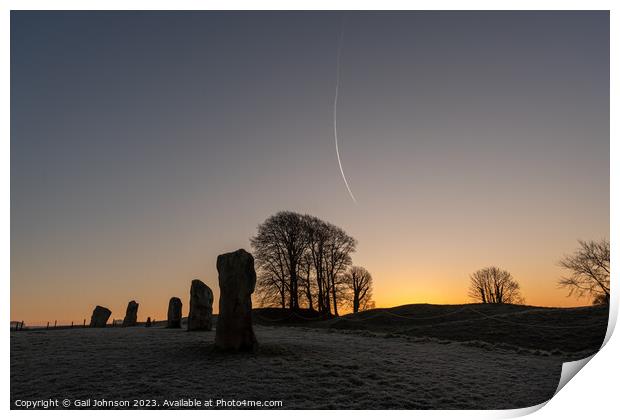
column 386, row 295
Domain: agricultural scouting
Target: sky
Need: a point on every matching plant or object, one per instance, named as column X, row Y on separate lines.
column 144, row 144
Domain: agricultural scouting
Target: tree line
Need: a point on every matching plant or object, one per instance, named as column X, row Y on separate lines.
column 588, row 276
column 303, row 261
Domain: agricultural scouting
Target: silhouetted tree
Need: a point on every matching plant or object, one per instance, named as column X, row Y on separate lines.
column 272, row 283
column 270, row 290
column 300, row 258
column 306, row 282
column 359, row 282
column 318, row 234
column 339, row 247
column 281, row 240
column 589, row 271
column 494, row 285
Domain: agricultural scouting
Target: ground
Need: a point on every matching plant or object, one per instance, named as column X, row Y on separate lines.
column 303, row 368
column 310, row 366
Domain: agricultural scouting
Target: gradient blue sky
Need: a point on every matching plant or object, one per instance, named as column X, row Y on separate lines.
column 144, row 144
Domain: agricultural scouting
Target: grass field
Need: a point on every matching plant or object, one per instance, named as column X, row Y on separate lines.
column 569, row 332
column 414, row 356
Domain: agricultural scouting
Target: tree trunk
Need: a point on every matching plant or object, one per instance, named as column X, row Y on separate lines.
column 294, row 288
column 326, row 300
column 309, row 297
column 320, row 298
column 283, row 297
column 334, row 297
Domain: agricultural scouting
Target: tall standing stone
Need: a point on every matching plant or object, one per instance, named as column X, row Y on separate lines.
column 200, row 307
column 131, row 315
column 100, row 317
column 175, row 308
column 237, row 279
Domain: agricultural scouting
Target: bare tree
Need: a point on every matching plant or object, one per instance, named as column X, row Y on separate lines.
column 301, row 259
column 272, row 286
column 339, row 247
column 271, row 291
column 359, row 283
column 589, row 271
column 494, row 285
column 368, row 304
column 329, row 251
column 318, row 235
column 306, row 280
column 282, row 238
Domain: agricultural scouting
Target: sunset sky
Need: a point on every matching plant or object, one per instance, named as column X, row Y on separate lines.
column 145, row 144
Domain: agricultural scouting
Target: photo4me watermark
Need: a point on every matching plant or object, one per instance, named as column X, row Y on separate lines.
column 62, row 403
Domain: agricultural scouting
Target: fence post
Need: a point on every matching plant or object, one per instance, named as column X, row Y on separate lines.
column 21, row 327
column 48, row 325
column 55, row 323
column 71, row 324
column 84, row 322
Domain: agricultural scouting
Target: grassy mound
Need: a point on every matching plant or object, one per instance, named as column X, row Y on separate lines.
column 570, row 332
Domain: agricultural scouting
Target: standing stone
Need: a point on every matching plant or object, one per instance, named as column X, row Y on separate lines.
column 148, row 322
column 131, row 315
column 175, row 311
column 200, row 307
column 100, row 317
column 237, row 279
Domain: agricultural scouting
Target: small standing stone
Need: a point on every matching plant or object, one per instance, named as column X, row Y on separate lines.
column 148, row 322
column 200, row 307
column 175, row 312
column 100, row 317
column 237, row 279
column 131, row 315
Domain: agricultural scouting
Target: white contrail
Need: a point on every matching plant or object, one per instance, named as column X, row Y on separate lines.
column 344, row 178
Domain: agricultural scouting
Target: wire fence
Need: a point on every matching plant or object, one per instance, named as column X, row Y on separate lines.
column 55, row 325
